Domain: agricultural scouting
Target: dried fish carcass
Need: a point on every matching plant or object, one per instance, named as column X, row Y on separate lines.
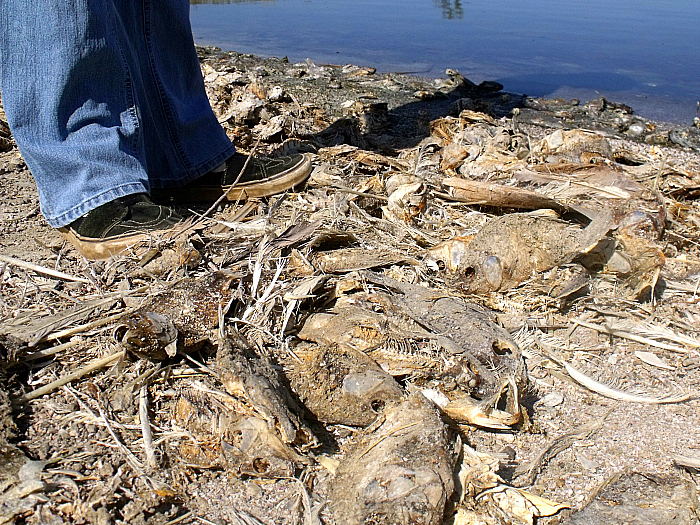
column 575, row 145
column 179, row 318
column 476, row 368
column 226, row 433
column 400, row 470
column 338, row 384
column 507, row 251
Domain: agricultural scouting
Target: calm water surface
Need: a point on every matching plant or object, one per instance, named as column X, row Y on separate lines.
column 641, row 52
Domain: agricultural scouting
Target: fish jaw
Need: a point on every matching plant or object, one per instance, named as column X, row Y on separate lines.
column 486, row 413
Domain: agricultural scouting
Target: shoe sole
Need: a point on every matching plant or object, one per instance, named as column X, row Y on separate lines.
column 242, row 191
column 100, row 249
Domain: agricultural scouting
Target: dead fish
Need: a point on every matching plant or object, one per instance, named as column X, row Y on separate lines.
column 148, row 335
column 351, row 259
column 575, row 145
column 180, row 318
column 486, row 413
column 228, row 435
column 190, row 309
column 433, row 340
column 252, row 377
column 507, row 251
column 399, row 471
column 254, row 450
column 341, row 385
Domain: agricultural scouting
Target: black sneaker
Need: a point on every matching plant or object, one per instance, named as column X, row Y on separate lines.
column 262, row 176
column 121, row 224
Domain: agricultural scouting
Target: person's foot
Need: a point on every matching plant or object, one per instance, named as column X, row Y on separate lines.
column 121, row 224
column 262, row 177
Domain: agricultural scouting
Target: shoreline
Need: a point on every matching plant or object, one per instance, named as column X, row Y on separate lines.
column 336, row 85
column 672, row 109
column 369, row 255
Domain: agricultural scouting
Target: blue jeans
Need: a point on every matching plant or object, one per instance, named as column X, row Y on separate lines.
column 105, row 98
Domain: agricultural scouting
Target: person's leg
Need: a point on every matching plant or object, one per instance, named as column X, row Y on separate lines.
column 106, row 100
column 182, row 136
column 176, row 115
column 70, row 101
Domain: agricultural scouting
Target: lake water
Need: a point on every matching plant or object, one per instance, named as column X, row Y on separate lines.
column 641, row 52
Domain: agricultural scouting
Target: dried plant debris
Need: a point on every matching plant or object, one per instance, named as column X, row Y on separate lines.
column 412, row 337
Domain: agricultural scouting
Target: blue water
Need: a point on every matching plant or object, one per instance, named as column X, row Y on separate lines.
column 643, row 53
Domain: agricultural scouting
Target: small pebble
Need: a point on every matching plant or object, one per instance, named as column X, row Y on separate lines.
column 587, row 463
column 509, row 452
column 636, row 130
column 552, row 400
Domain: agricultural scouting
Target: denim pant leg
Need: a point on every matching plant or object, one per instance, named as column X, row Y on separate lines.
column 182, row 137
column 101, row 102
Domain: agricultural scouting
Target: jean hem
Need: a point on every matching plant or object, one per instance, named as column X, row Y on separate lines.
column 90, row 204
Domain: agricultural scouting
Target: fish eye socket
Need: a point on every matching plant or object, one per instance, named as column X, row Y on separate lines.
column 500, row 348
column 377, row 405
column 469, row 272
column 261, row 465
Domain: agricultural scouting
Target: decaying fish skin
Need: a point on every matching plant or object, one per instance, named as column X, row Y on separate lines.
column 506, row 251
column 351, row 259
column 404, row 332
column 253, row 378
column 399, row 471
column 341, row 385
column 190, row 307
column 407, row 197
column 644, row 262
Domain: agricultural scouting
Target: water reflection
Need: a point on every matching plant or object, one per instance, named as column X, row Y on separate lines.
column 450, row 10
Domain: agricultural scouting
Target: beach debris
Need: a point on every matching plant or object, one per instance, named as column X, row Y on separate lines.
column 652, row 359
column 600, row 380
column 645, row 497
column 403, row 333
column 179, row 318
column 526, row 473
column 520, row 505
column 508, row 250
column 226, row 434
column 339, row 384
column 574, row 145
column 398, row 470
column 315, row 354
column 407, row 198
column 687, row 461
